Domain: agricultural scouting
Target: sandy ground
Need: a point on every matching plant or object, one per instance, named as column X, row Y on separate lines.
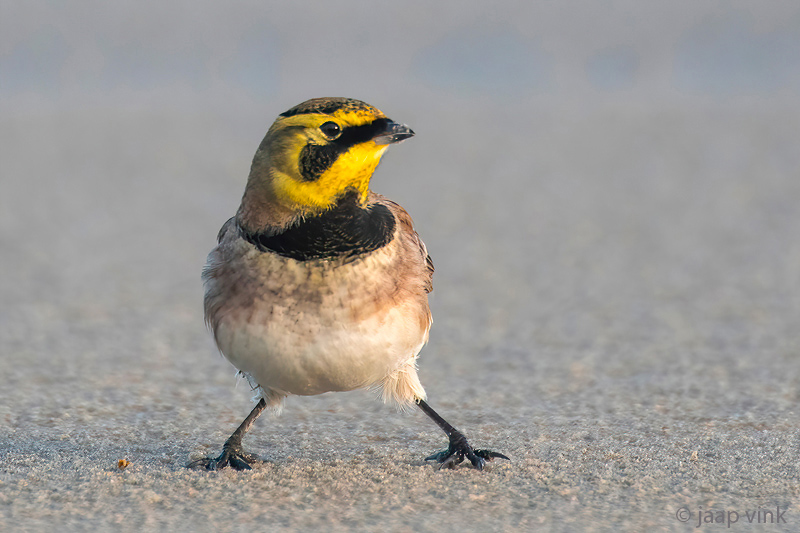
column 616, row 305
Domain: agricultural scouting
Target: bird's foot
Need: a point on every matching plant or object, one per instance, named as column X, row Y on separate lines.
column 459, row 449
column 232, row 455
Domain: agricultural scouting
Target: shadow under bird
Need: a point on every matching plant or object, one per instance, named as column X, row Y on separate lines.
column 319, row 284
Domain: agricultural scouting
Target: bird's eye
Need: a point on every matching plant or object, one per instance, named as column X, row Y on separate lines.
column 331, row 130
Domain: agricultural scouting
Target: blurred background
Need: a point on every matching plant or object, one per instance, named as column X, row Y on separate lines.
column 608, row 189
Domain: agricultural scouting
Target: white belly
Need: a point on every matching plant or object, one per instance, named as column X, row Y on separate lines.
column 298, row 354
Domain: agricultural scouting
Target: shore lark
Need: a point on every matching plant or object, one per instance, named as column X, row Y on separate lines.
column 318, row 284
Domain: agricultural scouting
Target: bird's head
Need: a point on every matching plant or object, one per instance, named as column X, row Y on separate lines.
column 313, row 154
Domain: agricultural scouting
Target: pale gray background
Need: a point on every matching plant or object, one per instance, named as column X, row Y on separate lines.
column 609, row 190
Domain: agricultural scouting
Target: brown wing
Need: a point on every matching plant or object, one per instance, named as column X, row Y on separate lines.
column 428, row 264
column 411, row 237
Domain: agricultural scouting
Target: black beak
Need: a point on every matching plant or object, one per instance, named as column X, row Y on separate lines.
column 394, row 133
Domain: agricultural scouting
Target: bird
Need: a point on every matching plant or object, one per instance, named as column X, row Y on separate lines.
column 319, row 284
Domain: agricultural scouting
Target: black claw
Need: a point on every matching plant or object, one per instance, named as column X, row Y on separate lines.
column 232, row 456
column 438, row 456
column 489, row 455
column 451, row 461
column 459, row 449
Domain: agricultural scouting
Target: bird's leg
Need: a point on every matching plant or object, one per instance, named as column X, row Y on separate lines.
column 232, row 454
column 459, row 447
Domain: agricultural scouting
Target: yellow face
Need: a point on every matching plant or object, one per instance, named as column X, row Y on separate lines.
column 314, row 157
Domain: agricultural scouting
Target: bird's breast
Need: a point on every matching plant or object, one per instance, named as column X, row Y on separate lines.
column 306, row 327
